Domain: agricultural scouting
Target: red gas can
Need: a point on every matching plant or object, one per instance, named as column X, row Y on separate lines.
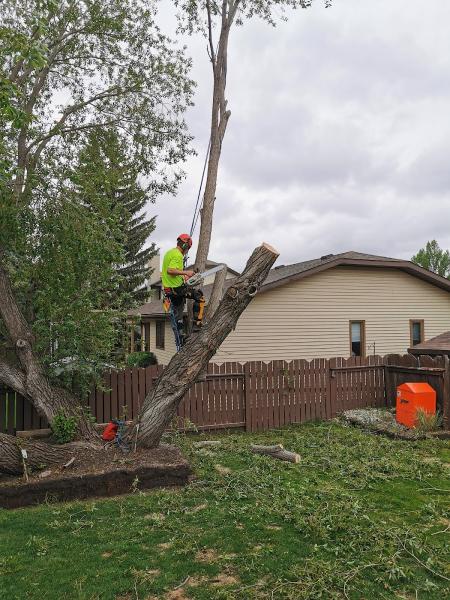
column 413, row 396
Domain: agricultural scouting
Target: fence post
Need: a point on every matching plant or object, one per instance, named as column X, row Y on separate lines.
column 446, row 394
column 249, row 396
column 332, row 396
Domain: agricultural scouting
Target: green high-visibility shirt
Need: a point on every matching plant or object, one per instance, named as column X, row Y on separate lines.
column 173, row 259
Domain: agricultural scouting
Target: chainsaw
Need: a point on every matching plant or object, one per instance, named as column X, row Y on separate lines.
column 197, row 278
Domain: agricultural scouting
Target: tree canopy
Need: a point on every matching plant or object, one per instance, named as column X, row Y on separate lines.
column 433, row 258
column 72, row 71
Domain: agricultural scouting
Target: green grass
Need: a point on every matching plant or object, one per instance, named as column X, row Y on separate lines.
column 361, row 517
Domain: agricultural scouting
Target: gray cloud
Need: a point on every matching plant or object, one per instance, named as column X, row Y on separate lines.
column 338, row 138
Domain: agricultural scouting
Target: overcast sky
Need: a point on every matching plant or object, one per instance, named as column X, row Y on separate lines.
column 339, row 136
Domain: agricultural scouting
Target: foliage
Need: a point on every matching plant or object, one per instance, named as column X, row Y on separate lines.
column 427, row 421
column 361, row 516
column 106, row 180
column 433, row 258
column 141, row 359
column 193, row 15
column 64, row 428
column 70, row 72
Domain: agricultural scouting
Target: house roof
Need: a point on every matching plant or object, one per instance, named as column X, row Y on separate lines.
column 283, row 274
column 439, row 344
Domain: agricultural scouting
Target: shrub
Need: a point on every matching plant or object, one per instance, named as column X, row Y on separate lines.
column 63, row 428
column 427, row 421
column 141, row 359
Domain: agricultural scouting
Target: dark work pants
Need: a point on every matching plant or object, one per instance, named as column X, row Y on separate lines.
column 178, row 296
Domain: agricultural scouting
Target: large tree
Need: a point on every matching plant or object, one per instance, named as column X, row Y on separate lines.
column 68, row 68
column 433, row 258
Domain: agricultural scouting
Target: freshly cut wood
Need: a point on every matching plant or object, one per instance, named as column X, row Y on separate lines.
column 276, row 451
column 207, row 444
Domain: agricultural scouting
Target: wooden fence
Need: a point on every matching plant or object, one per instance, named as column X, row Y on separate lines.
column 257, row 395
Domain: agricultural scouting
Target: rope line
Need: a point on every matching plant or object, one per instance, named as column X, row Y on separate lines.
column 197, row 212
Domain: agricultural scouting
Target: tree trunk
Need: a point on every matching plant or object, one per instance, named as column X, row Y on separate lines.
column 39, row 454
column 28, row 379
column 219, row 120
column 161, row 404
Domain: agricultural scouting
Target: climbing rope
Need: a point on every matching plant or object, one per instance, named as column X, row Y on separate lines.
column 197, row 207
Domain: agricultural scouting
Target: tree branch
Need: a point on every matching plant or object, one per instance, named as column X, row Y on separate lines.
column 211, row 44
column 12, row 377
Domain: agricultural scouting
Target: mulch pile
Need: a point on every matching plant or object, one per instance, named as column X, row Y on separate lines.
column 381, row 421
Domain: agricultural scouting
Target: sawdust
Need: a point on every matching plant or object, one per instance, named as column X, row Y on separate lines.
column 207, row 555
column 222, row 470
column 224, row 579
column 228, row 556
column 178, row 594
column 165, row 545
column 197, row 508
column 106, row 554
column 196, row 581
column 156, row 517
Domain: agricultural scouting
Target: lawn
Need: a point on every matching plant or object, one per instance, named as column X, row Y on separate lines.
column 361, row 517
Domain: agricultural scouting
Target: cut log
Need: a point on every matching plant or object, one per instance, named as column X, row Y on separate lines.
column 160, row 405
column 39, row 455
column 276, row 451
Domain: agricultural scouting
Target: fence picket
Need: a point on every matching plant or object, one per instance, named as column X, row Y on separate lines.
column 257, row 395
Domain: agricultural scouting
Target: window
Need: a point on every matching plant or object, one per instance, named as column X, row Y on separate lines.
column 357, row 338
column 147, row 337
column 160, row 334
column 416, row 332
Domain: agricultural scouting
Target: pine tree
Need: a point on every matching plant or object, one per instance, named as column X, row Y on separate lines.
column 107, row 179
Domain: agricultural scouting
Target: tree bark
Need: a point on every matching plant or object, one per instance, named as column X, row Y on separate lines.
column 39, row 454
column 29, row 380
column 219, row 120
column 161, row 404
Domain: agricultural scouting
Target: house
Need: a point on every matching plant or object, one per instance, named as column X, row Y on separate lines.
column 436, row 346
column 337, row 305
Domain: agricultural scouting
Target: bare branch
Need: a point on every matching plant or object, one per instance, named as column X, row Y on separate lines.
column 211, row 44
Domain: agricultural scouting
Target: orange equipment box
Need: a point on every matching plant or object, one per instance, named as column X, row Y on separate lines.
column 410, row 397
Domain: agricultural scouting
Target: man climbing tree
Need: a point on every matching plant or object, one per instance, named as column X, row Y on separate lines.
column 176, row 290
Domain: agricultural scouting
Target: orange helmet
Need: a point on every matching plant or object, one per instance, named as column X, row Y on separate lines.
column 184, row 240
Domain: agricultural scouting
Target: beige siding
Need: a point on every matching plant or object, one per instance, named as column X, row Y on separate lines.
column 165, row 355
column 210, row 279
column 310, row 318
